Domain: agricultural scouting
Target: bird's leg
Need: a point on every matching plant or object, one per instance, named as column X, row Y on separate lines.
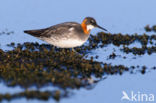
column 73, row 50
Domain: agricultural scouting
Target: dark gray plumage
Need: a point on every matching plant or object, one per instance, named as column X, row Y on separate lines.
column 59, row 29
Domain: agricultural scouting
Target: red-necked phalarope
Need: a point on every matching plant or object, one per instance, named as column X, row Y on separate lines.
column 68, row 34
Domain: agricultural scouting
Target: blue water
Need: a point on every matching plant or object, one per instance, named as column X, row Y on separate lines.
column 125, row 16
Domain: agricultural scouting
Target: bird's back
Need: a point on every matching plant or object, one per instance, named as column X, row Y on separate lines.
column 59, row 29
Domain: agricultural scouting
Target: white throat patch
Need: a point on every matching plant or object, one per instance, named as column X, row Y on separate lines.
column 90, row 27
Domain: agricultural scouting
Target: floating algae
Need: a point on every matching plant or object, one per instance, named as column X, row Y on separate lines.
column 6, row 32
column 149, row 29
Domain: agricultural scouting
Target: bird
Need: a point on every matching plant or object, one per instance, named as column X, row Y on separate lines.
column 67, row 34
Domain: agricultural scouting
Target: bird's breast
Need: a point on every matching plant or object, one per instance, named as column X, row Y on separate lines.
column 65, row 42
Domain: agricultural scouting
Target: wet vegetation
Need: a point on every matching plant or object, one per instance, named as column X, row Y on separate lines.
column 103, row 39
column 42, row 65
column 149, row 29
column 6, row 31
column 140, row 51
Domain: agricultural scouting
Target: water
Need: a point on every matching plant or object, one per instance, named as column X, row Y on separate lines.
column 128, row 16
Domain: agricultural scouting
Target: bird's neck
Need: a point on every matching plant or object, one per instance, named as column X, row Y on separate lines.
column 84, row 27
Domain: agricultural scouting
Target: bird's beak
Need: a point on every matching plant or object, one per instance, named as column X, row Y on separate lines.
column 101, row 27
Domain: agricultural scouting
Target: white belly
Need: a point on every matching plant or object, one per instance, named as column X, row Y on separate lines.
column 65, row 43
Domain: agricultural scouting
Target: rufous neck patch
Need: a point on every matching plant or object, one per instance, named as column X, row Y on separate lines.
column 84, row 27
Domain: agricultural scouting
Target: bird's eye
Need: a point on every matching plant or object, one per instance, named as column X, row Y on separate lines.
column 92, row 21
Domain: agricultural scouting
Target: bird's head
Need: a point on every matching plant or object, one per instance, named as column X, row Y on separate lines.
column 88, row 24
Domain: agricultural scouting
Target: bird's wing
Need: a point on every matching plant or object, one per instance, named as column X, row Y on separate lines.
column 53, row 30
column 36, row 33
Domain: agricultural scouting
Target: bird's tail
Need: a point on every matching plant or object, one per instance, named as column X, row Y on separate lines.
column 36, row 33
